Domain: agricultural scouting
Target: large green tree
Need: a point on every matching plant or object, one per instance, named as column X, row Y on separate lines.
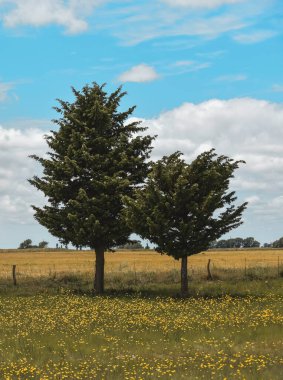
column 183, row 207
column 95, row 158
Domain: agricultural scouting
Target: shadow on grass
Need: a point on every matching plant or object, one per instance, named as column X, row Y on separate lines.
column 144, row 285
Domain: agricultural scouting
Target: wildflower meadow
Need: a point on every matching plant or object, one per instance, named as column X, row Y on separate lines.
column 224, row 330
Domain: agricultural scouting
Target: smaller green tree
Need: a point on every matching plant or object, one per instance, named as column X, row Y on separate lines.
column 26, row 244
column 43, row 244
column 184, row 207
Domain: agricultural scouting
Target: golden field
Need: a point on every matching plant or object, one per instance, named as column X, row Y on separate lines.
column 34, row 263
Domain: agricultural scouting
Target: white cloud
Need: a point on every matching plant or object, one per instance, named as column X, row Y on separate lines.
column 183, row 63
column 161, row 24
column 231, row 78
column 16, row 194
column 277, row 88
column 150, row 20
column 269, row 210
column 139, row 73
column 183, row 67
column 142, row 21
column 252, row 199
column 71, row 15
column 209, row 4
column 254, row 37
column 4, row 90
column 244, row 128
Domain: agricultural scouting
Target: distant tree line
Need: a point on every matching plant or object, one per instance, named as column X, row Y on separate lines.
column 248, row 242
column 27, row 244
column 238, row 242
column 133, row 245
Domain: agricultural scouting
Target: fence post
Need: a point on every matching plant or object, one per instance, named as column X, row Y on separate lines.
column 245, row 267
column 209, row 275
column 278, row 267
column 14, row 275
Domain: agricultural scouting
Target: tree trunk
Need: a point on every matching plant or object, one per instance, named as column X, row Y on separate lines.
column 184, row 276
column 99, row 271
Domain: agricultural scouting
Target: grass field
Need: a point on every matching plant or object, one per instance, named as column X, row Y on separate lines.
column 51, row 262
column 52, row 327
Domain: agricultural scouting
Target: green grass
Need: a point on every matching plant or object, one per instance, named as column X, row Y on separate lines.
column 166, row 283
column 54, row 328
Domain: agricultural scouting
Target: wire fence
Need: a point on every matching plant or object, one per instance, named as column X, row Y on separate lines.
column 205, row 266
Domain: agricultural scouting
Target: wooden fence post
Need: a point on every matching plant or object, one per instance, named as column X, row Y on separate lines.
column 14, row 275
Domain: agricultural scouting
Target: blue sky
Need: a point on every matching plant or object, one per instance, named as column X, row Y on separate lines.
column 203, row 74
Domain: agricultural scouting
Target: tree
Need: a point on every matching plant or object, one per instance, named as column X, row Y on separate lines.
column 250, row 242
column 220, row 244
column 238, row 242
column 132, row 245
column 183, row 207
column 278, row 243
column 43, row 244
column 26, row 244
column 95, row 157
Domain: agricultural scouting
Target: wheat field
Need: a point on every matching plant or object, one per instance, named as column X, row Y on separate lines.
column 38, row 263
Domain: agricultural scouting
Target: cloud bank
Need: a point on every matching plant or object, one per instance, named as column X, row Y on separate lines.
column 16, row 195
column 244, row 128
column 254, row 37
column 71, row 14
column 146, row 19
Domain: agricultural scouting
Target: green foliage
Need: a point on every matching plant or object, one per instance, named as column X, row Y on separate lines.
column 43, row 244
column 278, row 243
column 26, row 244
column 132, row 245
column 250, row 242
column 95, row 157
column 184, row 207
column 238, row 242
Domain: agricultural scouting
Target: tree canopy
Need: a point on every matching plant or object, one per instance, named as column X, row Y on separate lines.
column 95, row 158
column 183, row 207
